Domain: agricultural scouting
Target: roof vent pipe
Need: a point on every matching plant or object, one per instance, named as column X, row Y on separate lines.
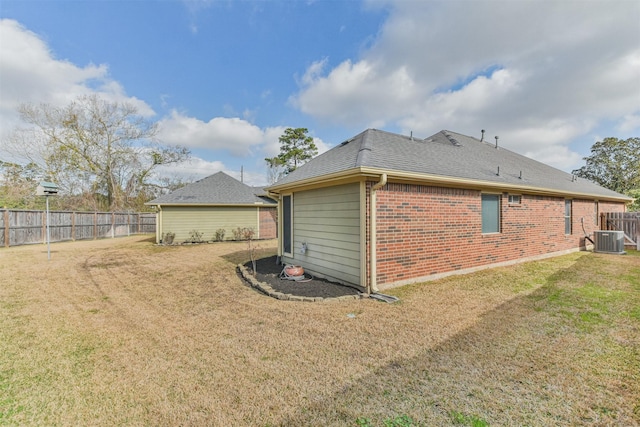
column 497, row 142
column 498, row 171
column 412, row 135
column 520, row 174
column 482, row 137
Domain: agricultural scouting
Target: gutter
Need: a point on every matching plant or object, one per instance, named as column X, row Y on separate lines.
column 359, row 173
column 477, row 184
column 373, row 285
column 273, row 196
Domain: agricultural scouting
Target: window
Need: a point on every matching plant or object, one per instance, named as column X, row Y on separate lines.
column 490, row 213
column 515, row 199
column 567, row 217
column 287, row 231
column 596, row 212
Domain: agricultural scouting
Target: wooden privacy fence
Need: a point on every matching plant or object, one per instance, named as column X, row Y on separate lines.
column 629, row 222
column 24, row 227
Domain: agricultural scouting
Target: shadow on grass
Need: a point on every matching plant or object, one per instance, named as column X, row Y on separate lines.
column 523, row 363
column 242, row 256
column 150, row 239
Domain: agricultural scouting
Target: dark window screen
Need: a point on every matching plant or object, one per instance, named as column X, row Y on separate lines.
column 286, row 224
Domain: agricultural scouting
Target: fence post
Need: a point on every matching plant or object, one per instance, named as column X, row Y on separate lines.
column 638, row 233
column 73, row 226
column 95, row 225
column 600, row 225
column 6, row 228
column 113, row 225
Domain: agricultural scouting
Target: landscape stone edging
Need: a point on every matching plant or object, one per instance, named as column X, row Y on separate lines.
column 268, row 290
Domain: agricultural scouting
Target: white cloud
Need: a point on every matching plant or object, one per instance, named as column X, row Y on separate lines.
column 197, row 168
column 322, row 146
column 192, row 170
column 237, row 136
column 352, row 92
column 32, row 74
column 629, row 123
column 272, row 141
column 314, row 71
column 556, row 70
column 234, row 135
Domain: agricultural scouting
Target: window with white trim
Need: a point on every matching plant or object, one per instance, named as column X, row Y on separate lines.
column 514, row 199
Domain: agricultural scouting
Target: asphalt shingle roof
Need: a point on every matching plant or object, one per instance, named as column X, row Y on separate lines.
column 445, row 154
column 217, row 189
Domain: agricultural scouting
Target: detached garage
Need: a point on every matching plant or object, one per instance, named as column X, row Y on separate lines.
column 217, row 202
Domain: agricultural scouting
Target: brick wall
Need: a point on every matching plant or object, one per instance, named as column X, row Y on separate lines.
column 426, row 230
column 268, row 223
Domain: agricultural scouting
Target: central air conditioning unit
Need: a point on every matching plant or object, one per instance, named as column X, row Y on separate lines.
column 609, row 241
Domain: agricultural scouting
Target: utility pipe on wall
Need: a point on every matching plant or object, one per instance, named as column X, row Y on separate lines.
column 373, row 285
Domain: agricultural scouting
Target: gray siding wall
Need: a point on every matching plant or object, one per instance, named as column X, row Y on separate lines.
column 181, row 220
column 328, row 221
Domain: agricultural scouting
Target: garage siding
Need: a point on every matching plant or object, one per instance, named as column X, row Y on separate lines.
column 328, row 221
column 181, row 220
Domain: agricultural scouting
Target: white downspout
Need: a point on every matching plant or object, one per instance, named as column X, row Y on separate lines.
column 159, row 224
column 373, row 285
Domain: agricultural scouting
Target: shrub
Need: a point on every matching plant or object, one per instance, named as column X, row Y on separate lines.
column 237, row 233
column 195, row 237
column 219, row 237
column 246, row 233
column 167, row 238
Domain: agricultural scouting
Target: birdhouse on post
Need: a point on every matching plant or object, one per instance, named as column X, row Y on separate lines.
column 47, row 189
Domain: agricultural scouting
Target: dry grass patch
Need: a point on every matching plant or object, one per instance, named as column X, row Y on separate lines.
column 122, row 332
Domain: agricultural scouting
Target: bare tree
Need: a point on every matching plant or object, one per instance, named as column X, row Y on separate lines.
column 95, row 147
column 275, row 169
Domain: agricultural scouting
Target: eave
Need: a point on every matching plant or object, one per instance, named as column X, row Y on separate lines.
column 362, row 173
column 245, row 205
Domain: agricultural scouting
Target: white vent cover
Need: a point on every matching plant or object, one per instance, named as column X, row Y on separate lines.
column 610, row 242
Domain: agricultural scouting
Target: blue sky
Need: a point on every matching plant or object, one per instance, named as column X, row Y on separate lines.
column 225, row 78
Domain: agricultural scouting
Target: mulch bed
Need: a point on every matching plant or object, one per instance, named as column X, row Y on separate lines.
column 269, row 273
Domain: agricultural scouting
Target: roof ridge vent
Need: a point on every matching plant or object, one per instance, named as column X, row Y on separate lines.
column 452, row 139
column 364, row 150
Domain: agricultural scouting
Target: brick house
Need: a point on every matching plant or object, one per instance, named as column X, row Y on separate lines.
column 212, row 203
column 382, row 210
